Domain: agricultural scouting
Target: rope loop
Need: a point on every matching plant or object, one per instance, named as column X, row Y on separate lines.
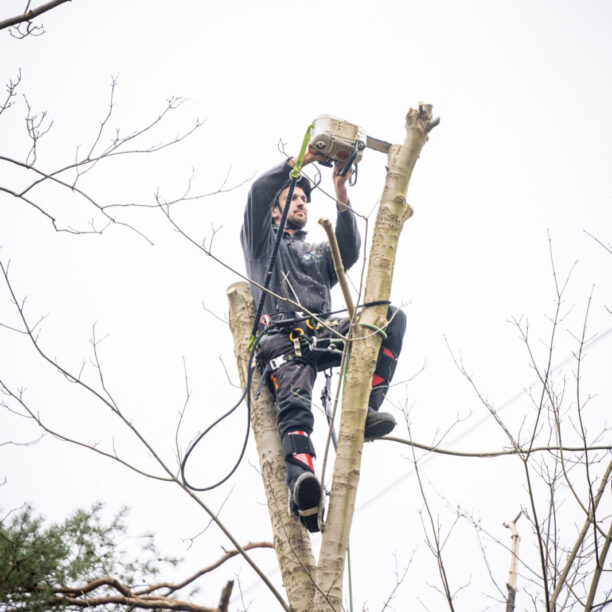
column 375, row 328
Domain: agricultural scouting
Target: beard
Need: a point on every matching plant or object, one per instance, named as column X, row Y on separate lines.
column 296, row 223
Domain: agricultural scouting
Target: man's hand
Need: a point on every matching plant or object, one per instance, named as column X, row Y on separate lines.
column 313, row 156
column 342, row 199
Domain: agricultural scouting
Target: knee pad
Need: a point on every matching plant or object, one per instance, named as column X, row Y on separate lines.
column 385, row 367
column 298, row 448
column 383, row 373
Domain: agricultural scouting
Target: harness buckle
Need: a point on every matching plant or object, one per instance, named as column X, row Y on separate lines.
column 277, row 362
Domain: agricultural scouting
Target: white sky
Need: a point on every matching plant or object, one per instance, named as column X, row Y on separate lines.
column 524, row 149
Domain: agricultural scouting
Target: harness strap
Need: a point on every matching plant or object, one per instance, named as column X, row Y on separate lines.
column 309, row 512
column 265, row 373
column 296, row 347
column 297, row 443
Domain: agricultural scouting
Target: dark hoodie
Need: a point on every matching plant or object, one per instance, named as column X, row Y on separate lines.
column 303, row 272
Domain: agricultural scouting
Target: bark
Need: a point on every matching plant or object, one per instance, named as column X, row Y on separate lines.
column 291, row 540
column 392, row 214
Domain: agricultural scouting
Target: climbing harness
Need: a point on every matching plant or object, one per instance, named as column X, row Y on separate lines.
column 308, row 342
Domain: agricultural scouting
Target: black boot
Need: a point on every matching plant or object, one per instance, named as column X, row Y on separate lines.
column 306, row 499
column 378, row 424
column 304, row 487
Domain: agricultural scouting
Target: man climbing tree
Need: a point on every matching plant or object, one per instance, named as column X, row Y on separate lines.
column 296, row 345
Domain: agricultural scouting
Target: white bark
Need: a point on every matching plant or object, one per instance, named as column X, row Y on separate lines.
column 392, row 214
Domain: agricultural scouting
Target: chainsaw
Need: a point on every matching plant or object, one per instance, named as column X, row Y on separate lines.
column 340, row 140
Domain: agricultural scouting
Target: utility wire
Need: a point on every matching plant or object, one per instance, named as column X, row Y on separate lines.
column 476, row 425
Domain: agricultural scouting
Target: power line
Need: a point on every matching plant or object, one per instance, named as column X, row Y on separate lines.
column 483, row 420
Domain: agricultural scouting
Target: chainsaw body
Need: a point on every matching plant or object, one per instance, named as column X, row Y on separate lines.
column 338, row 139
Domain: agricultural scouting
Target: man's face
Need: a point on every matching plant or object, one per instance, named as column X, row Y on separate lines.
column 298, row 210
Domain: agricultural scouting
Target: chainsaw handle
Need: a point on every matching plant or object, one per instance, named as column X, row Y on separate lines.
column 350, row 160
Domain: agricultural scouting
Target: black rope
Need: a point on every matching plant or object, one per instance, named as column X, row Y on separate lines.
column 250, row 370
column 266, row 285
column 279, row 237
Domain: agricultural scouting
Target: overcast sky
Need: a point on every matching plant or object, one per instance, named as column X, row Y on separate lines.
column 518, row 167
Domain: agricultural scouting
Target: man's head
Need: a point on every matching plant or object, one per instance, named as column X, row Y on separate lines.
column 298, row 211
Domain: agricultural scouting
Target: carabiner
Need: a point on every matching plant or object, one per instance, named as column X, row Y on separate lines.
column 309, row 325
column 296, row 329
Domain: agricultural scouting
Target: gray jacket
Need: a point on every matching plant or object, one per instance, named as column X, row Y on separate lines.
column 303, row 271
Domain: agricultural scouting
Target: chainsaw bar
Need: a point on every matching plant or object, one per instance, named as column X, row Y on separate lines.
column 378, row 145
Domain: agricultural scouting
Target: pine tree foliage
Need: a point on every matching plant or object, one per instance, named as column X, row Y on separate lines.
column 43, row 566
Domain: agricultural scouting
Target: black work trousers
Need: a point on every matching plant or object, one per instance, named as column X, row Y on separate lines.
column 294, row 380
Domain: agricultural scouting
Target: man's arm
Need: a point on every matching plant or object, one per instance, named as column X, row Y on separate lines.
column 257, row 226
column 347, row 234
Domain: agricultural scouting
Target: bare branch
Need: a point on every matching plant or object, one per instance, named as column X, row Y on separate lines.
column 29, row 15
column 172, row 587
column 432, row 534
column 28, row 443
column 399, row 578
column 18, row 397
column 578, row 543
column 36, row 128
column 492, row 454
column 605, row 246
column 139, row 603
column 68, row 229
column 109, row 402
column 11, row 92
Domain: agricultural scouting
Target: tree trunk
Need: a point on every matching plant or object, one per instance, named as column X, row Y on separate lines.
column 392, row 214
column 291, row 540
